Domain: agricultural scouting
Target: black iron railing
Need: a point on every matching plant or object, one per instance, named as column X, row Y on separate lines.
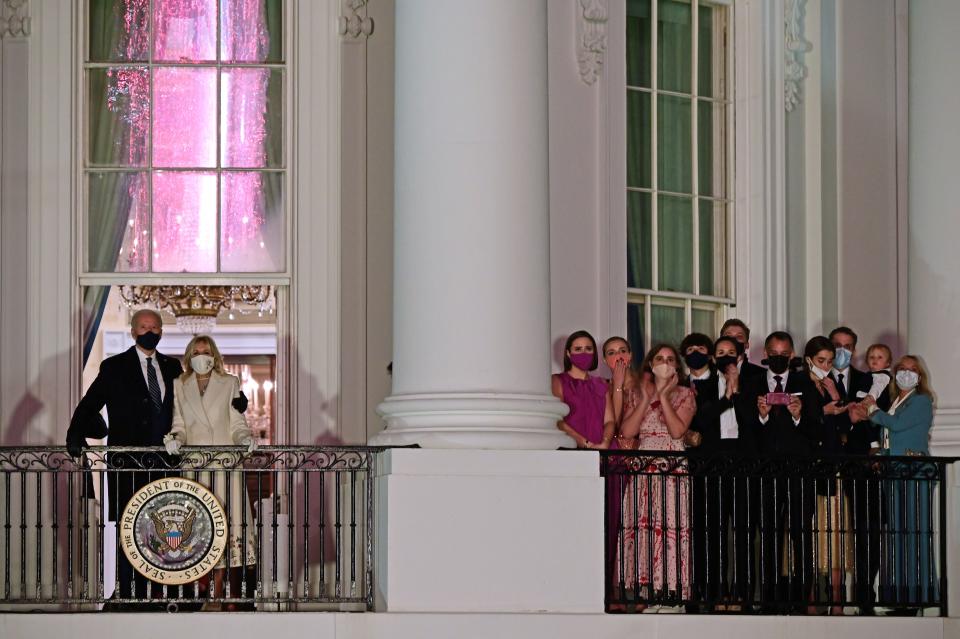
column 295, row 525
column 778, row 535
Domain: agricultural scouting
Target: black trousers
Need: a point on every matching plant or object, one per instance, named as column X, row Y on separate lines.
column 787, row 506
column 866, row 508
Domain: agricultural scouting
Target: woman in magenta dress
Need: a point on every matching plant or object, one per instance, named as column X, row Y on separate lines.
column 590, row 420
column 654, row 547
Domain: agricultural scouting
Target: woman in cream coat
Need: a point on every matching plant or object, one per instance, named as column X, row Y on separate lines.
column 203, row 415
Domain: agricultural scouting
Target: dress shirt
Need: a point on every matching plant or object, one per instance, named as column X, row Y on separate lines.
column 729, row 429
column 156, row 367
column 772, row 386
column 700, row 378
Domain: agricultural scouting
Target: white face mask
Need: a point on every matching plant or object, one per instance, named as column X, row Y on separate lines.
column 818, row 372
column 201, row 364
column 907, row 380
column 663, row 371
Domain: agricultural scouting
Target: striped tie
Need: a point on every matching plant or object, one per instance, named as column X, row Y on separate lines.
column 154, row 386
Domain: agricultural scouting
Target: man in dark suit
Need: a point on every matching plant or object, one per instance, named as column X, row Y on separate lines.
column 136, row 386
column 739, row 331
column 858, row 435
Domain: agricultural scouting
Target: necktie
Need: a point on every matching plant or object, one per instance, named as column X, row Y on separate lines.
column 153, row 385
column 840, row 387
column 779, row 380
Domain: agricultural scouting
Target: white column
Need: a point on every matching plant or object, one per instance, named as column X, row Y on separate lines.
column 471, row 280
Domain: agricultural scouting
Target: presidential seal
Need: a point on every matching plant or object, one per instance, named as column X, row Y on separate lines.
column 173, row 531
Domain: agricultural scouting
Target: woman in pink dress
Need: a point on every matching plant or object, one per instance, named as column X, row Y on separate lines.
column 653, row 553
column 590, row 420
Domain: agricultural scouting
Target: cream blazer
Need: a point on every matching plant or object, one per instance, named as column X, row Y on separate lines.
column 208, row 419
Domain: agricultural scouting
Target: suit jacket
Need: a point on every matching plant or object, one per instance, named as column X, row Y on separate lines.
column 750, row 372
column 707, row 420
column 779, row 435
column 202, row 420
column 856, row 383
column 909, row 426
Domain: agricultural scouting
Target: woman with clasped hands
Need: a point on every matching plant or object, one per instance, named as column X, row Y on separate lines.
column 204, row 415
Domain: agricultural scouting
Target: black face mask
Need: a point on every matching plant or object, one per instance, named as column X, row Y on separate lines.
column 725, row 361
column 778, row 364
column 148, row 341
column 696, row 360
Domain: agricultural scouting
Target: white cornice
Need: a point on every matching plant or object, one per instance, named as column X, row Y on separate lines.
column 14, row 19
column 354, row 20
column 795, row 46
column 591, row 38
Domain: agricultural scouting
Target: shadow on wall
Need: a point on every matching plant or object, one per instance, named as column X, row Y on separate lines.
column 30, row 422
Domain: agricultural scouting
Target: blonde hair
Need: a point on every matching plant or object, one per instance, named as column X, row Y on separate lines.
column 214, row 351
column 923, row 384
column 881, row 347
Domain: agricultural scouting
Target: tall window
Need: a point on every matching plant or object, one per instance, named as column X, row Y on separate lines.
column 679, row 209
column 183, row 148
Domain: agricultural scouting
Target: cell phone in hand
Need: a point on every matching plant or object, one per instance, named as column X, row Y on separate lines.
column 778, row 399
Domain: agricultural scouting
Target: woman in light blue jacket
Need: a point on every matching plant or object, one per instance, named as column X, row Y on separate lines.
column 906, row 428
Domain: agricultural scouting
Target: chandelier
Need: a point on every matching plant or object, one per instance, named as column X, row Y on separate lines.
column 196, row 307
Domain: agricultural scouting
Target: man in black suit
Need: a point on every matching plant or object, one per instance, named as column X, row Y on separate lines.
column 739, row 331
column 858, row 435
column 136, row 386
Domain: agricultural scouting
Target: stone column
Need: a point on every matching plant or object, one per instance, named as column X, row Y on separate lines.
column 471, row 273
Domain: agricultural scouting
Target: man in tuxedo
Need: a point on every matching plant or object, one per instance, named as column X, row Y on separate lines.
column 858, row 436
column 136, row 386
column 739, row 331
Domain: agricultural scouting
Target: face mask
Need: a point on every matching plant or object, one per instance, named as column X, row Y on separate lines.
column 201, row 364
column 842, row 359
column 819, row 373
column 907, row 380
column 148, row 341
column 583, row 361
column 696, row 360
column 663, row 371
column 725, row 361
column 778, row 364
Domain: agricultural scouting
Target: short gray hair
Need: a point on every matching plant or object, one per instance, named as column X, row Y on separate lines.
column 145, row 311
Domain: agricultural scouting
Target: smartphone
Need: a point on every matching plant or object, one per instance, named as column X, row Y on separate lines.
column 778, row 399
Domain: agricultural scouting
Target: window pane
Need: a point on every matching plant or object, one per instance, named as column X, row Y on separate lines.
column 638, row 43
column 636, row 331
column 711, row 52
column 639, row 156
column 639, row 235
column 118, row 108
column 185, row 31
column 252, row 226
column 251, row 30
column 119, row 31
column 184, row 222
column 118, row 222
column 666, row 324
column 675, row 247
column 713, row 247
column 674, row 151
column 704, row 321
column 252, row 110
column 711, row 148
column 674, row 45
column 185, row 118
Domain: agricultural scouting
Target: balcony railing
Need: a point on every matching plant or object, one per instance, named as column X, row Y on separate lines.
column 282, row 528
column 777, row 535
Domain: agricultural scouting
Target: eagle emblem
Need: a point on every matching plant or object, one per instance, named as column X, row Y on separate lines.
column 174, row 525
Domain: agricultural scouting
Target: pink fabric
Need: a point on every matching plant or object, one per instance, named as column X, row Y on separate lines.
column 587, row 399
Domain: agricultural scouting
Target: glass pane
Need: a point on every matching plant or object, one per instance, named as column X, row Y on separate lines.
column 118, row 108
column 252, row 228
column 639, row 240
column 711, row 148
column 184, row 222
column 119, row 31
column 639, row 155
column 118, row 222
column 666, row 324
column 185, row 117
column 184, row 30
column 251, row 30
column 713, row 248
column 251, row 104
column 674, row 45
column 674, row 151
column 638, row 43
column 675, row 247
column 636, row 331
column 711, row 52
column 704, row 321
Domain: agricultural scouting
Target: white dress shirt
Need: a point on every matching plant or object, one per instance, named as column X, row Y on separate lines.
column 156, row 368
column 729, row 429
column 772, row 385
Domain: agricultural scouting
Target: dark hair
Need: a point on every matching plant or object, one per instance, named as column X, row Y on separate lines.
column 779, row 335
column 844, row 330
column 566, row 349
column 615, row 338
column 727, row 338
column 695, row 339
column 733, row 321
column 646, row 366
column 814, row 346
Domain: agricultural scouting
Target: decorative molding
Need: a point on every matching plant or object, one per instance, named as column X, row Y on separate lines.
column 795, row 46
column 945, row 434
column 14, row 21
column 355, row 22
column 591, row 38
